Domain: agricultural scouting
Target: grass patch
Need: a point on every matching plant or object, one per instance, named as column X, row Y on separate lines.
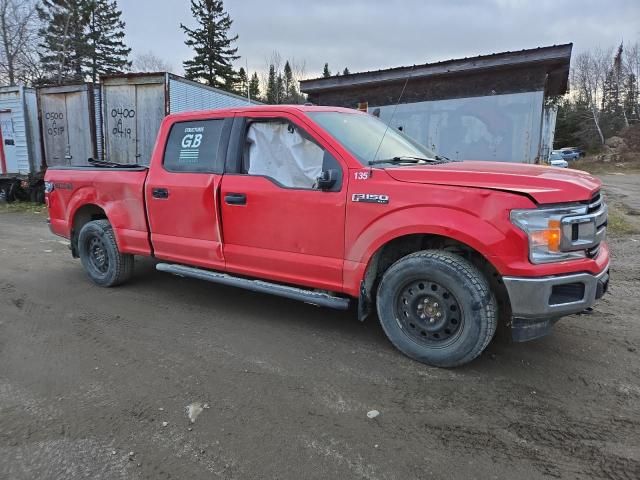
column 23, row 207
column 619, row 223
column 599, row 168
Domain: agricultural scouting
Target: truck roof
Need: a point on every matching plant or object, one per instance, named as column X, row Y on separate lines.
column 272, row 108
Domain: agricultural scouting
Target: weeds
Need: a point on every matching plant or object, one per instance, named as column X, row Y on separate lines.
column 23, row 207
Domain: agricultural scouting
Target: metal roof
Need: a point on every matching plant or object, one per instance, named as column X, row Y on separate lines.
column 162, row 77
column 555, row 58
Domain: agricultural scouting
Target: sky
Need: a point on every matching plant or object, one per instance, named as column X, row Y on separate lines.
column 370, row 35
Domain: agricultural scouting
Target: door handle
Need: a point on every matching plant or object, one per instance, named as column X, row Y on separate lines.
column 235, row 199
column 160, row 193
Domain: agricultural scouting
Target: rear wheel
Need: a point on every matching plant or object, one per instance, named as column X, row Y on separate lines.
column 437, row 308
column 100, row 256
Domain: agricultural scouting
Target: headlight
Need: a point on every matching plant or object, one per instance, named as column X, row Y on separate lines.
column 48, row 187
column 543, row 226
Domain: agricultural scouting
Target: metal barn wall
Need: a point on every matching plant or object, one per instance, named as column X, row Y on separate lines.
column 68, row 124
column 504, row 128
column 185, row 96
column 548, row 130
column 14, row 123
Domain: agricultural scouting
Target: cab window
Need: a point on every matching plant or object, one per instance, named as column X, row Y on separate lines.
column 284, row 153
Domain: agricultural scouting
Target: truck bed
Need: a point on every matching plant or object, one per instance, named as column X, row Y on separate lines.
column 118, row 190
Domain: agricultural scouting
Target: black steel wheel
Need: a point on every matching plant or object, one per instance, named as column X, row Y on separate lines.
column 98, row 251
column 429, row 313
column 437, row 307
column 97, row 254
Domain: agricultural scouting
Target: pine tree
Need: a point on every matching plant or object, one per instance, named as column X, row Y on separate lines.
column 631, row 98
column 254, row 87
column 346, row 71
column 326, row 73
column 243, row 82
column 108, row 53
column 289, row 84
column 64, row 44
column 613, row 112
column 272, row 93
column 280, row 91
column 213, row 48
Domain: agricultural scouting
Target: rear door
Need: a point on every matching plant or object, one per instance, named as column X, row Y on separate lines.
column 181, row 193
column 276, row 223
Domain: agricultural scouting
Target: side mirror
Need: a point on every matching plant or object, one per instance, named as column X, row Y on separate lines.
column 327, row 179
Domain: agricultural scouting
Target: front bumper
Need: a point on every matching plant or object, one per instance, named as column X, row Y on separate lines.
column 537, row 303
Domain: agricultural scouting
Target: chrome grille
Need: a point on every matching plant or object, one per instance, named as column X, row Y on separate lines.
column 595, row 203
column 593, row 252
column 585, row 232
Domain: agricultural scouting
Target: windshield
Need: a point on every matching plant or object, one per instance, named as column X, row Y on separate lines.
column 361, row 135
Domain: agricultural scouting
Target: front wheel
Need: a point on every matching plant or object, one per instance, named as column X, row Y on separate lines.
column 100, row 255
column 437, row 308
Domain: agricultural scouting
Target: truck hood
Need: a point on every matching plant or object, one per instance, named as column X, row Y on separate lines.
column 544, row 184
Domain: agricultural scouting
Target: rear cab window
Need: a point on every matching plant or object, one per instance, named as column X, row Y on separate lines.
column 196, row 146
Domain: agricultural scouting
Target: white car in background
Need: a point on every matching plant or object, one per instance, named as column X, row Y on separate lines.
column 556, row 160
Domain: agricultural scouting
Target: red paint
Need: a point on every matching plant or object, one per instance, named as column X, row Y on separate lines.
column 312, row 238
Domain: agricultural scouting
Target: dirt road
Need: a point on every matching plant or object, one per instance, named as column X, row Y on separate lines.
column 94, row 384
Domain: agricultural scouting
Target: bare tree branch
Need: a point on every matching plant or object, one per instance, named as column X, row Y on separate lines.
column 150, row 62
column 18, row 30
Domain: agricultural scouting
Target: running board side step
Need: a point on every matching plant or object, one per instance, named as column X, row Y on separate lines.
column 294, row 293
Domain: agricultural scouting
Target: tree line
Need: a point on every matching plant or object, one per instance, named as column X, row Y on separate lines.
column 603, row 99
column 68, row 41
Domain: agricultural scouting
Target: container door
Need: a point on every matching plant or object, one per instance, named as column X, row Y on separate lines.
column 54, row 129
column 79, row 128
column 8, row 143
column 67, row 128
column 149, row 115
column 120, row 123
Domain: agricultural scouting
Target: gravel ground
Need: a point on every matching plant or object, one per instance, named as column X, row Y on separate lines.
column 94, row 383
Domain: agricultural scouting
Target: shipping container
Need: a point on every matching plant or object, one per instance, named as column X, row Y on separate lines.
column 134, row 105
column 71, row 124
column 20, row 152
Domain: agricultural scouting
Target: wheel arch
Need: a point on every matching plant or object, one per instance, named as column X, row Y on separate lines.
column 399, row 247
column 83, row 215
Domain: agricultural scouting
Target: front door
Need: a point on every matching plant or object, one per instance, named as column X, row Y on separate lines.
column 8, row 143
column 276, row 222
column 181, row 194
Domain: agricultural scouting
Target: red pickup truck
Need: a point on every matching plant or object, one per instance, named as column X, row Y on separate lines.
column 328, row 205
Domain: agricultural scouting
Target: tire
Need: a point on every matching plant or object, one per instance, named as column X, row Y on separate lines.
column 100, row 257
column 437, row 308
column 10, row 192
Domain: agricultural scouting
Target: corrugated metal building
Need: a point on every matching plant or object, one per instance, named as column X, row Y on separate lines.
column 490, row 107
column 20, row 144
column 71, row 123
column 134, row 105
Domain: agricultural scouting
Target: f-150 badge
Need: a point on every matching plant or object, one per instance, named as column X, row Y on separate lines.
column 370, row 198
